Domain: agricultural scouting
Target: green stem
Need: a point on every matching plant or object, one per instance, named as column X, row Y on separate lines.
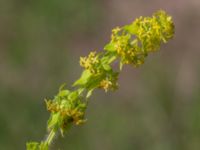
column 50, row 137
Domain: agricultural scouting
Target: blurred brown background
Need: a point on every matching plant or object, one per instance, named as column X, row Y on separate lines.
column 157, row 106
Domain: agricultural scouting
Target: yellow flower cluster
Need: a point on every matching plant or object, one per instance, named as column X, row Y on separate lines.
column 151, row 31
column 108, row 84
column 133, row 42
column 76, row 116
column 90, row 62
column 100, row 73
column 68, row 115
column 105, row 84
column 129, row 51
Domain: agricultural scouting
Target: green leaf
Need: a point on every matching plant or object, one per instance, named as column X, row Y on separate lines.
column 112, row 59
column 110, row 47
column 36, row 146
column 54, row 120
column 89, row 93
column 73, row 95
column 107, row 67
column 84, row 78
column 63, row 93
column 32, row 146
column 62, row 86
column 132, row 28
column 43, row 146
column 82, row 106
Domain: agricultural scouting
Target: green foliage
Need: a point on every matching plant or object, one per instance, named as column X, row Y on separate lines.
column 36, row 146
column 130, row 44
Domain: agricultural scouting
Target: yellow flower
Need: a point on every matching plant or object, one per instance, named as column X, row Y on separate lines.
column 90, row 62
column 105, row 84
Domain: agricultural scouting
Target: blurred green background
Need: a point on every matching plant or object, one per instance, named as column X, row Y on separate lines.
column 157, row 106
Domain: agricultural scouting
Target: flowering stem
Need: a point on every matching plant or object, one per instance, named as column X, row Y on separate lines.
column 129, row 45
